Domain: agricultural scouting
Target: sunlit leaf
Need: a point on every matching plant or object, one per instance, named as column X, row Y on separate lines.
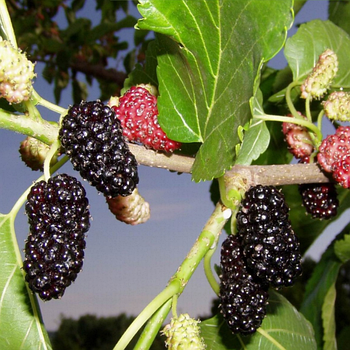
column 208, row 63
column 283, row 328
column 20, row 324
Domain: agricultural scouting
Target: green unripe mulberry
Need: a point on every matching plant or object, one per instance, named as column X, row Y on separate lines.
column 337, row 107
column 33, row 153
column 16, row 74
column 319, row 80
column 183, row 333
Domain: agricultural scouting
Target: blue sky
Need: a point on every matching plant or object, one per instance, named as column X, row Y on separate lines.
column 126, row 267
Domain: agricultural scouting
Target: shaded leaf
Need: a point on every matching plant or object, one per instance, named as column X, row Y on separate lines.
column 256, row 141
column 330, row 342
column 339, row 14
column 283, row 328
column 318, row 304
column 257, row 138
column 207, row 69
column 144, row 74
column 342, row 248
column 21, row 327
column 302, row 56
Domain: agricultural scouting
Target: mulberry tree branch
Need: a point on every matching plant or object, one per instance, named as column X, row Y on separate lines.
column 286, row 174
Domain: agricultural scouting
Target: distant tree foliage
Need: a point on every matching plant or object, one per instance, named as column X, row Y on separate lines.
column 79, row 52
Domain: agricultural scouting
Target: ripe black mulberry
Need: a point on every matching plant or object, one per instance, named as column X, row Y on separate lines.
column 320, row 200
column 58, row 217
column 270, row 247
column 243, row 298
column 92, row 137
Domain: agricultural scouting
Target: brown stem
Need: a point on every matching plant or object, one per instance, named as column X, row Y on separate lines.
column 100, row 72
column 286, row 174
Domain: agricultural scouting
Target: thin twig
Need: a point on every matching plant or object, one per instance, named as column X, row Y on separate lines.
column 286, row 174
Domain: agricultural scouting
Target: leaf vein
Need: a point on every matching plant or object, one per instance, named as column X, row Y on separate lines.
column 201, row 37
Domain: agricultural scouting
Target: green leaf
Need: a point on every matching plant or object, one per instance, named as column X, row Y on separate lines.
column 339, row 14
column 342, row 248
column 330, row 342
column 257, row 138
column 255, row 142
column 283, row 328
column 302, row 56
column 21, row 326
column 318, row 303
column 207, row 68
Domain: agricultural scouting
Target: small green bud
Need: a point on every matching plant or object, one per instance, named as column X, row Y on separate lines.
column 16, row 74
column 33, row 152
column 337, row 107
column 183, row 333
column 320, row 79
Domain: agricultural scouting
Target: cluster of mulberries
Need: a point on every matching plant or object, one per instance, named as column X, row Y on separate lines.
column 138, row 112
column 320, row 200
column 92, row 137
column 58, row 217
column 265, row 252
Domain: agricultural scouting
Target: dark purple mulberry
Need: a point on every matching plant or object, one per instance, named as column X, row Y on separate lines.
column 270, row 247
column 243, row 298
column 92, row 137
column 320, row 200
column 58, row 217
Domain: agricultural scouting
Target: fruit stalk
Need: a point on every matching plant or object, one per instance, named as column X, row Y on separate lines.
column 152, row 327
column 298, row 121
column 47, row 104
column 41, row 130
column 146, row 313
column 179, row 280
column 286, row 174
